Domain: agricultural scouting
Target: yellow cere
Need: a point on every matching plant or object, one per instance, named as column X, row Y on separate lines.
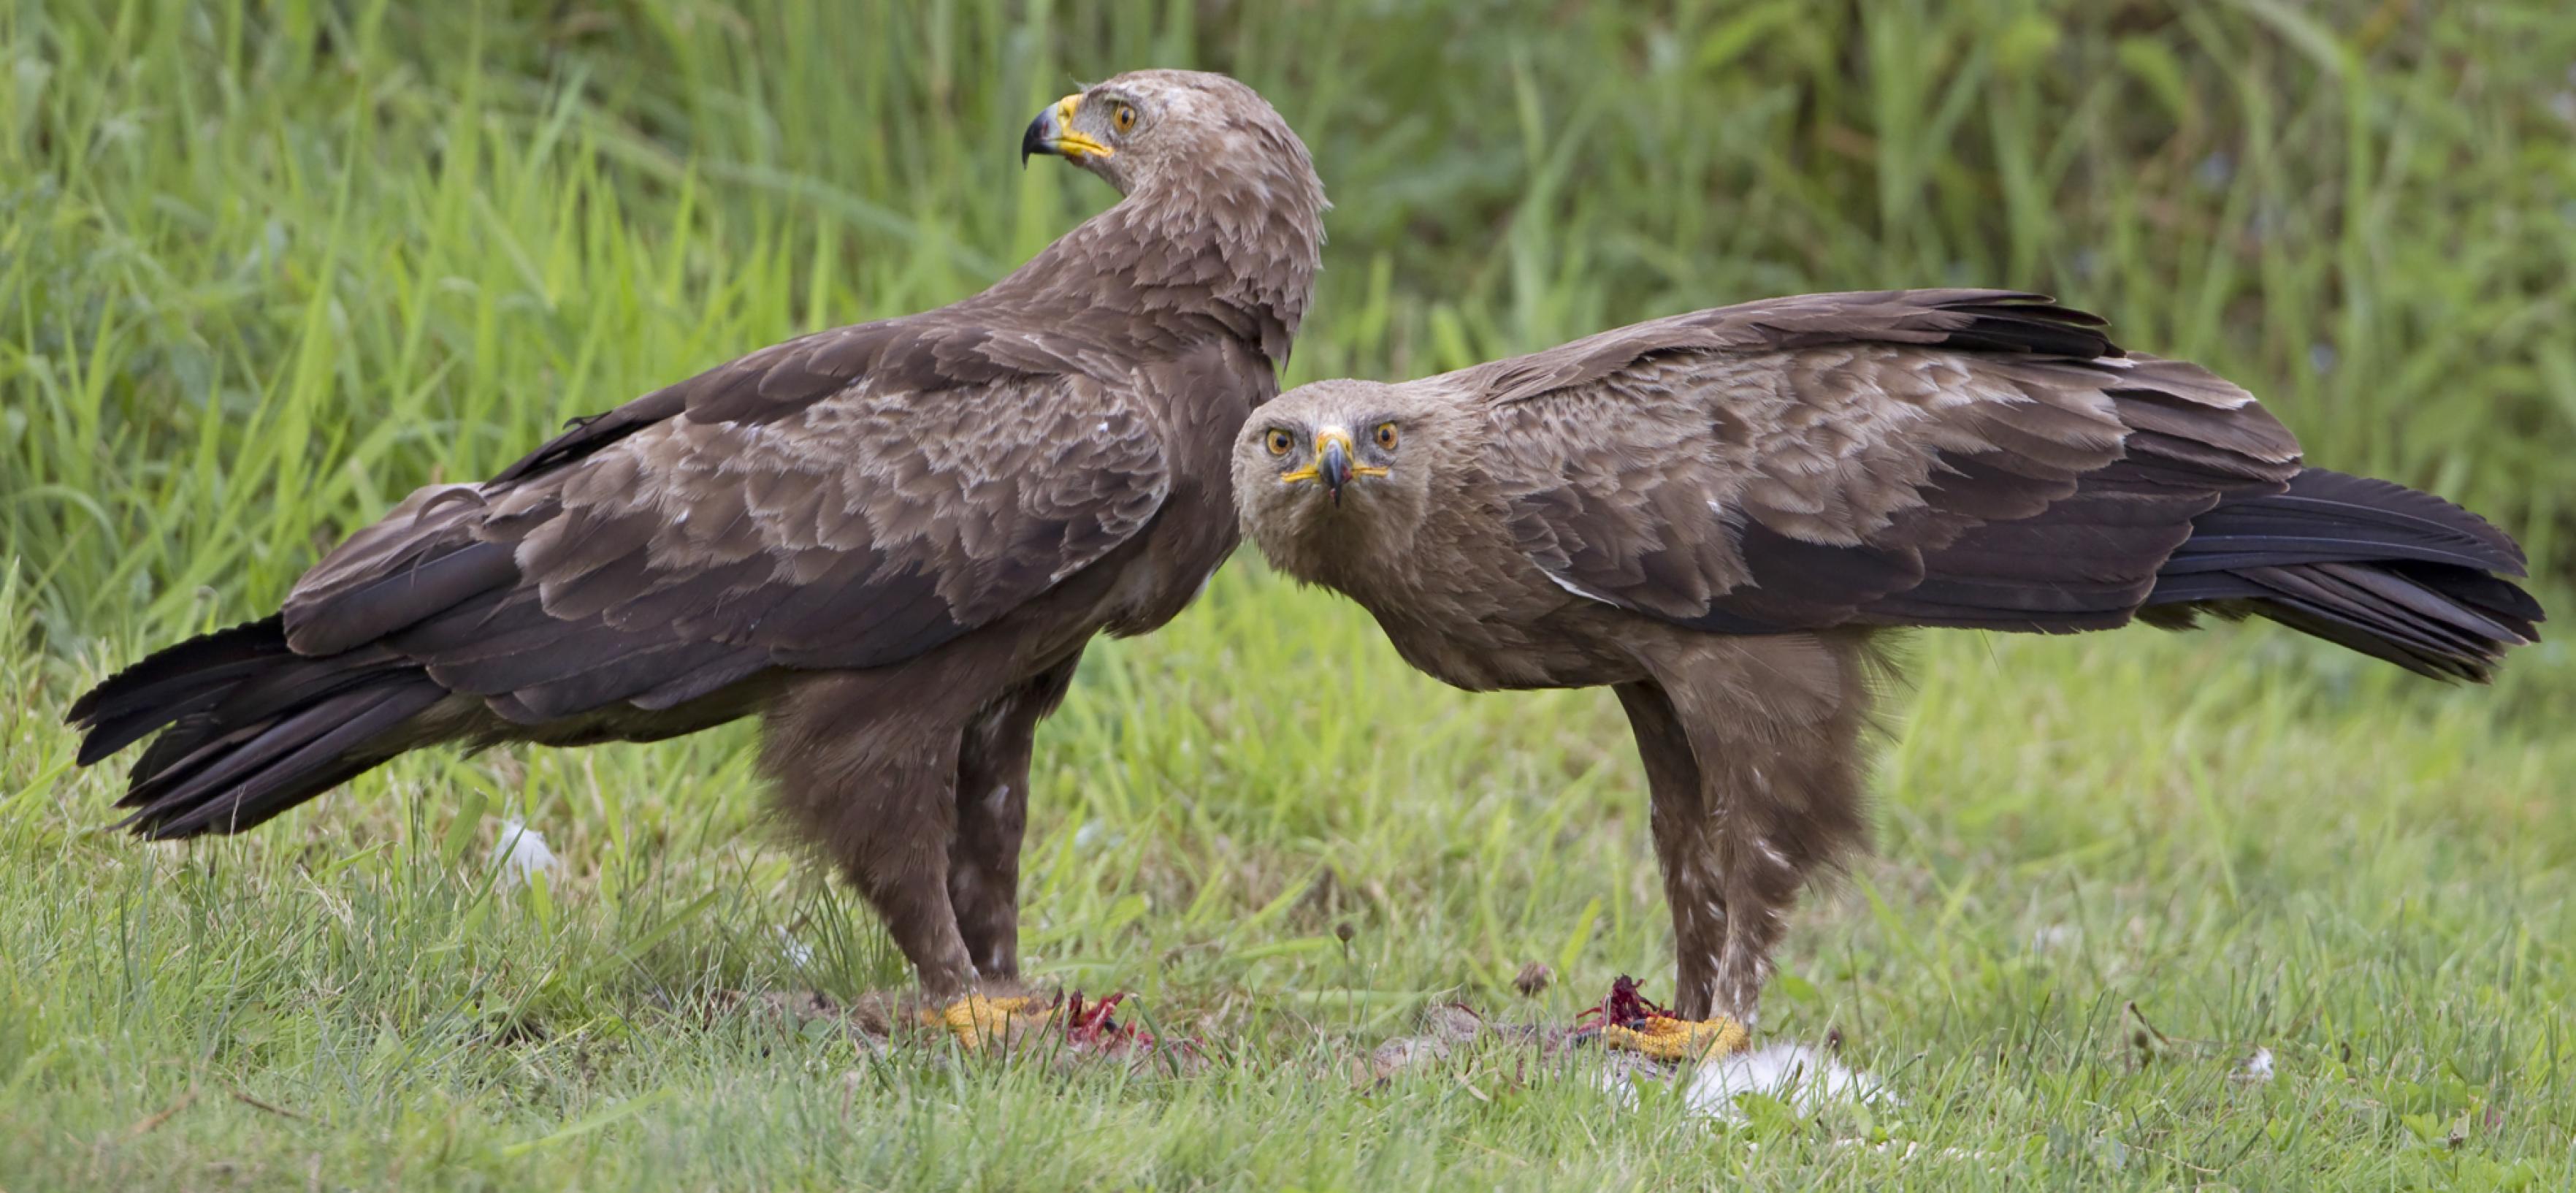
column 1070, row 143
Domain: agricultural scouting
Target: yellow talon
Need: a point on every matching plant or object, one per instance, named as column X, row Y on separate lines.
column 975, row 1019
column 1680, row 1039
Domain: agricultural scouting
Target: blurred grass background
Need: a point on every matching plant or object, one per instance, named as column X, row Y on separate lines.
column 264, row 267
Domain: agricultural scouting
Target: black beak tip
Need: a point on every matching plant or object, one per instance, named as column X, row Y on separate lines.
column 1033, row 142
column 1335, row 468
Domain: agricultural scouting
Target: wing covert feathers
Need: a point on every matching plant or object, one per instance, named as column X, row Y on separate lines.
column 1980, row 459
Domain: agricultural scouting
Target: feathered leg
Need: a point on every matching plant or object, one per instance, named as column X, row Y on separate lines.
column 881, row 802
column 1686, row 845
column 992, row 813
column 1753, row 761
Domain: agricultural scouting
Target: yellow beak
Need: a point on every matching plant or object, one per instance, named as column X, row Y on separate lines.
column 1053, row 132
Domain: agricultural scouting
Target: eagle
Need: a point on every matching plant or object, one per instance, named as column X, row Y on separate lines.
column 890, row 542
column 1717, row 515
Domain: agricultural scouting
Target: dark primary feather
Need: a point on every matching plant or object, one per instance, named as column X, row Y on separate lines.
column 2380, row 568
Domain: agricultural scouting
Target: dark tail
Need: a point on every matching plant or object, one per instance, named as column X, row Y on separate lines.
column 248, row 728
column 2390, row 572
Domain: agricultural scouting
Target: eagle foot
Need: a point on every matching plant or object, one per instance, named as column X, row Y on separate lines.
column 1088, row 1025
column 976, row 1020
column 1679, row 1039
column 1631, row 1022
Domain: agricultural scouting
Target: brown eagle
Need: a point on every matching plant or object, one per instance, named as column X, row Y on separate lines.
column 1714, row 515
column 889, row 541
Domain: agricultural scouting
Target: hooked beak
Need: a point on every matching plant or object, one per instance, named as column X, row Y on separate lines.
column 1333, row 463
column 1053, row 133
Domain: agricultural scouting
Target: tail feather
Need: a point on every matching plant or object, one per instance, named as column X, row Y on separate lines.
column 173, row 683
column 248, row 728
column 2327, row 517
column 209, row 747
column 287, row 762
column 2379, row 568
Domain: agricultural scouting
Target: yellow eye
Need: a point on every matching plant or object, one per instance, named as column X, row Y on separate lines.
column 1386, row 436
column 1123, row 118
column 1279, row 441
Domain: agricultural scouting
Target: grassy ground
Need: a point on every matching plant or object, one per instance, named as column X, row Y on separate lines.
column 263, row 268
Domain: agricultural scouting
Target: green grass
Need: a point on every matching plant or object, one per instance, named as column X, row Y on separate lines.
column 266, row 267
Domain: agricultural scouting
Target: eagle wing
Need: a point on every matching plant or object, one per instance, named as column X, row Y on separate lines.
column 850, row 499
column 1953, row 457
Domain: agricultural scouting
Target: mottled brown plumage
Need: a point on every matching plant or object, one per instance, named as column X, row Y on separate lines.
column 891, row 541
column 1715, row 513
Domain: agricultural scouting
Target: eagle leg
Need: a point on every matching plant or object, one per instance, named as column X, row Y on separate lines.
column 992, row 814
column 1751, row 749
column 1687, row 845
column 880, row 801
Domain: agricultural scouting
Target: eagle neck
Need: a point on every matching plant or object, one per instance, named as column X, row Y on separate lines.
column 1180, row 262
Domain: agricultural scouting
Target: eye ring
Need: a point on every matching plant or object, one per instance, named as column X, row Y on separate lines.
column 1386, row 436
column 1123, row 117
column 1278, row 441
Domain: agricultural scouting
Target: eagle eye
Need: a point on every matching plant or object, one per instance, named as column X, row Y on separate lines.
column 1122, row 116
column 1386, row 436
column 1278, row 441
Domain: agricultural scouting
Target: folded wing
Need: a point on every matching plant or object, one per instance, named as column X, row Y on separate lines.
column 1941, row 458
column 851, row 499
column 800, row 511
